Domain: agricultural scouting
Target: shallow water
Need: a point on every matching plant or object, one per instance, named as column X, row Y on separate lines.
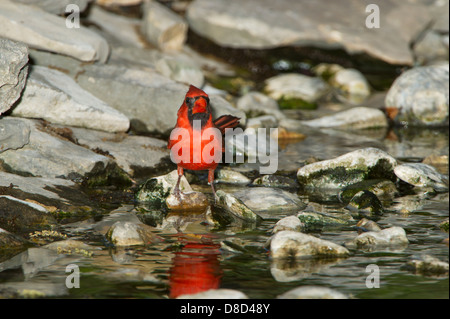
column 194, row 259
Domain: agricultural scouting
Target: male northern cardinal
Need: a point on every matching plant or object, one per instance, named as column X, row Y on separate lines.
column 196, row 110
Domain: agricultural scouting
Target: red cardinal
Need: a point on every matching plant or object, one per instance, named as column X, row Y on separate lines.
column 195, row 117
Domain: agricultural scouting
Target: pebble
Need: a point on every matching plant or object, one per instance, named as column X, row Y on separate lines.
column 312, row 292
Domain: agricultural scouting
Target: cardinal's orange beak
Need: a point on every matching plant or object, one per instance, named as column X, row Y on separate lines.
column 199, row 106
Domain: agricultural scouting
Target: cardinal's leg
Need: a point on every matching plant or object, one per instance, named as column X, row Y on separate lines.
column 211, row 181
column 176, row 190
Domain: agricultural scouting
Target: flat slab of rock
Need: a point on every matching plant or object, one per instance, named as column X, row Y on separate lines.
column 347, row 169
column 261, row 24
column 57, row 98
column 13, row 72
column 42, row 30
column 290, row 244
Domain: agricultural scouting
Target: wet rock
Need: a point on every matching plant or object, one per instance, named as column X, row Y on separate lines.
column 268, row 202
column 350, row 168
column 366, row 225
column 13, row 72
column 422, row 175
column 420, row 96
column 14, row 134
column 256, row 104
column 260, row 24
column 131, row 234
column 313, row 220
column 216, row 294
column 353, row 119
column 162, row 27
column 148, row 153
column 295, row 86
column 275, row 181
column 42, row 30
column 383, row 189
column 291, row 223
column 289, row 244
column 50, row 156
column 312, row 292
column 428, row 266
column 366, row 204
column 155, row 190
column 228, row 176
column 55, row 97
column 351, row 86
column 439, row 162
column 56, row 6
column 393, row 237
column 195, row 201
column 236, row 207
column 288, row 270
column 72, row 247
column 18, row 216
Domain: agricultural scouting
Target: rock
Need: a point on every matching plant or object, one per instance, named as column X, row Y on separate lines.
column 72, row 247
column 162, row 27
column 422, row 175
column 13, row 72
column 383, row 189
column 118, row 29
column 18, row 216
column 275, row 181
column 56, row 6
column 131, row 234
column 439, row 162
column 268, row 202
column 393, row 237
column 264, row 121
column 52, row 156
column 236, row 207
column 430, row 48
column 195, row 201
column 290, row 244
column 149, row 154
column 444, row 225
column 353, row 119
column 366, row 225
column 291, row 223
column 313, row 220
column 215, row 294
column 420, row 96
column 295, row 86
column 10, row 243
column 114, row 3
column 55, row 97
column 351, row 85
column 258, row 24
column 155, row 190
column 30, row 289
column 312, row 292
column 366, row 204
column 256, row 104
column 180, row 68
column 228, row 176
column 347, row 169
column 428, row 266
column 42, row 30
column 14, row 134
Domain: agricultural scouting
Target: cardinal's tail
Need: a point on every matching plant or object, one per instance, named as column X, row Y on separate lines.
column 226, row 121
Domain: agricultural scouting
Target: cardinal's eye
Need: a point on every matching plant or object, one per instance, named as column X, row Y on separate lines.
column 190, row 101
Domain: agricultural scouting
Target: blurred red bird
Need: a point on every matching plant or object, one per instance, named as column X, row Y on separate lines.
column 195, row 117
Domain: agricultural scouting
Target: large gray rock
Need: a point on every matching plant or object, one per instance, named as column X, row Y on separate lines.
column 347, row 169
column 269, row 24
column 57, row 98
column 49, row 156
column 420, row 96
column 148, row 153
column 13, row 72
column 42, row 30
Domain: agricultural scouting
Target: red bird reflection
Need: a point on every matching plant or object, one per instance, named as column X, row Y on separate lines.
column 196, row 267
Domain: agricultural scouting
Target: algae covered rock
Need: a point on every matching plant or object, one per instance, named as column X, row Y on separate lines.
column 347, row 169
column 236, row 207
